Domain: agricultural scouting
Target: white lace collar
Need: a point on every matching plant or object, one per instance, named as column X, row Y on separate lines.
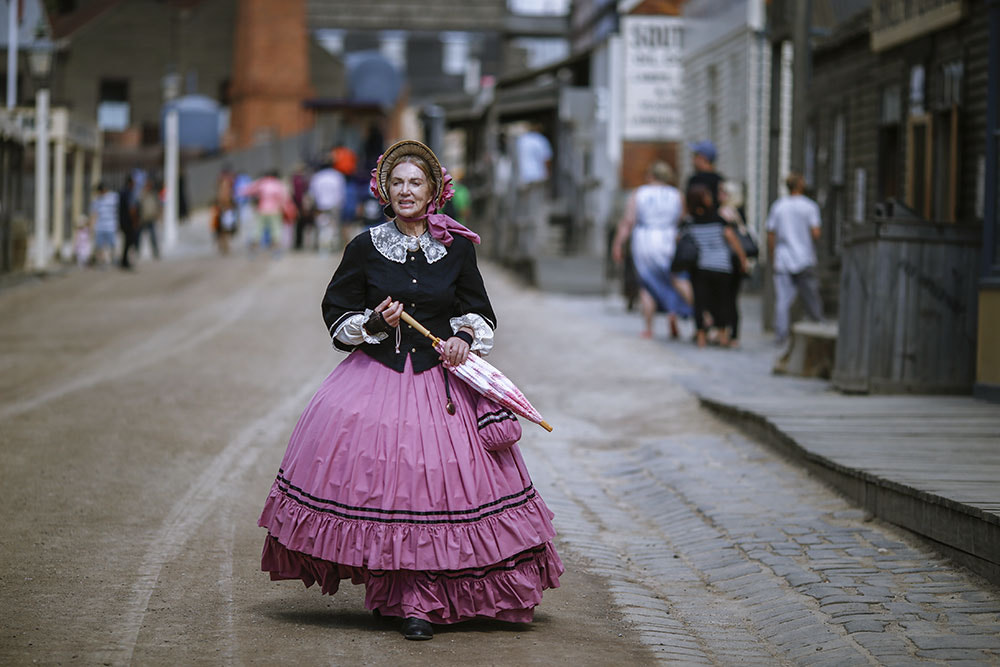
column 394, row 244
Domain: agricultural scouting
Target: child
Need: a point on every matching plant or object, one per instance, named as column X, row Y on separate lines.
column 82, row 246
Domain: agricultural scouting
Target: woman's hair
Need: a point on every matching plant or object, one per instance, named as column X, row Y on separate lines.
column 795, row 182
column 699, row 199
column 662, row 172
column 733, row 192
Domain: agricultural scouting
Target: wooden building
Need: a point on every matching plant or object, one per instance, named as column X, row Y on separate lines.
column 894, row 151
column 988, row 341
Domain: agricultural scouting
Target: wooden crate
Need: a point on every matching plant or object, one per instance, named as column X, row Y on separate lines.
column 907, row 321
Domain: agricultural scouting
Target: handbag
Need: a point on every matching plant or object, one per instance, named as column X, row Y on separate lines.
column 498, row 427
column 685, row 253
column 750, row 248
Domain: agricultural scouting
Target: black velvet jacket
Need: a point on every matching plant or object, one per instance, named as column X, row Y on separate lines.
column 432, row 293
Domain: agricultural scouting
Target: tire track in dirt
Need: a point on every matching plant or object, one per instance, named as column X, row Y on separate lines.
column 193, row 507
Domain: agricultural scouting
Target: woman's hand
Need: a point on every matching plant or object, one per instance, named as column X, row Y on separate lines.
column 391, row 310
column 454, row 350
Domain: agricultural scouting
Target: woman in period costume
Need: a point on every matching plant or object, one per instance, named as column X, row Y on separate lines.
column 385, row 481
column 651, row 218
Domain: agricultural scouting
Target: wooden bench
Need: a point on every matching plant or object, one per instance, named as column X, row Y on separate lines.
column 811, row 351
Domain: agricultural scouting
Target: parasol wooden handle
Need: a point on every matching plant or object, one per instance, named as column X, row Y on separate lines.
column 405, row 316
column 544, row 424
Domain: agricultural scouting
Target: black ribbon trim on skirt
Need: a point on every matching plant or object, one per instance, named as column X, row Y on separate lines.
column 471, row 573
column 494, row 417
column 285, row 482
column 355, row 517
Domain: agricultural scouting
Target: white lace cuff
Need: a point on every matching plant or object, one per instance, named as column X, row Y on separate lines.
column 350, row 331
column 482, row 339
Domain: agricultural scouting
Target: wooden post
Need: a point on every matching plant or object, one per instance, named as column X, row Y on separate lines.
column 76, row 204
column 59, row 127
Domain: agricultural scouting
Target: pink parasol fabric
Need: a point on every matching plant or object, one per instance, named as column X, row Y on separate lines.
column 487, row 380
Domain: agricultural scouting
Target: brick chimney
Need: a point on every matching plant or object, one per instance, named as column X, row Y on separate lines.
column 270, row 70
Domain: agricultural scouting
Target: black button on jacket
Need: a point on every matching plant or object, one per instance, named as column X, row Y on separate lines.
column 432, row 293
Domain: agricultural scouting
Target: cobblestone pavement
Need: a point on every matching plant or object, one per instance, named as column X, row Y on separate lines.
column 717, row 549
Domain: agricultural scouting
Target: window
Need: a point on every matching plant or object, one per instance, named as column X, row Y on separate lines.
column 455, row 54
column 919, row 164
column 838, row 191
column 889, row 142
column 225, row 98
column 539, row 7
column 839, row 149
column 113, row 109
column 392, row 45
column 809, row 162
column 933, row 147
column 713, row 81
column 945, row 169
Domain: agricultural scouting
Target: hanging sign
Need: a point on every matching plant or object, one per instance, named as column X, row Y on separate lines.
column 653, row 79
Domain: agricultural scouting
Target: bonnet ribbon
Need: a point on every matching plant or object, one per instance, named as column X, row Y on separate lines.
column 444, row 228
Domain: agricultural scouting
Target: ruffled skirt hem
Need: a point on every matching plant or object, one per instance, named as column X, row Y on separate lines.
column 507, row 590
column 495, row 534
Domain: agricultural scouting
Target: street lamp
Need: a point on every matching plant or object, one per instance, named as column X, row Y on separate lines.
column 40, row 62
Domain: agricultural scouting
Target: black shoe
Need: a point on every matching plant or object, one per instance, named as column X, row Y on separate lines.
column 417, row 629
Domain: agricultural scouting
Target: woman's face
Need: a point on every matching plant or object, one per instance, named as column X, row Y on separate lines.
column 409, row 190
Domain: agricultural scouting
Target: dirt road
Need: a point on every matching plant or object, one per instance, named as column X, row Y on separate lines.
column 142, row 417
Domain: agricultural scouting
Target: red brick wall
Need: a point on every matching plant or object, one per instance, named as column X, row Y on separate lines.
column 659, row 7
column 270, row 69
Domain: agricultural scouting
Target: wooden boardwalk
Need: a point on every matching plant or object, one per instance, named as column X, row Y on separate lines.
column 928, row 463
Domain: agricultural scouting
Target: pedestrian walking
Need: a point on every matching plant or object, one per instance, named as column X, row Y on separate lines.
column 386, row 480
column 732, row 211
column 703, row 157
column 460, row 206
column 303, row 212
column 83, row 243
column 244, row 207
column 651, row 218
column 149, row 210
column 272, row 200
column 326, row 190
column 534, row 155
column 226, row 216
column 793, row 226
column 713, row 280
column 104, row 222
column 127, row 221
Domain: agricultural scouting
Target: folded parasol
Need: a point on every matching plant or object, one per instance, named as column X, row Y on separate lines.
column 486, row 379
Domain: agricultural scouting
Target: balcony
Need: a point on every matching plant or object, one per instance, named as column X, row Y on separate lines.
column 896, row 22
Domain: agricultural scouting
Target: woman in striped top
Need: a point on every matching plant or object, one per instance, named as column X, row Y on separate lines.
column 713, row 284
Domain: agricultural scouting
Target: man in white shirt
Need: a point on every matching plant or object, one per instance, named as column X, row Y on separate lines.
column 534, row 153
column 327, row 189
column 793, row 226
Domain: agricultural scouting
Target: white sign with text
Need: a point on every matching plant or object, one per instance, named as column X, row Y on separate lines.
column 654, row 76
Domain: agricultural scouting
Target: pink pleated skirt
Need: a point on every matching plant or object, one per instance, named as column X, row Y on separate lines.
column 380, row 485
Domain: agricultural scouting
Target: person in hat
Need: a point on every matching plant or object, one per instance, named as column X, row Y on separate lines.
column 385, row 480
column 703, row 156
